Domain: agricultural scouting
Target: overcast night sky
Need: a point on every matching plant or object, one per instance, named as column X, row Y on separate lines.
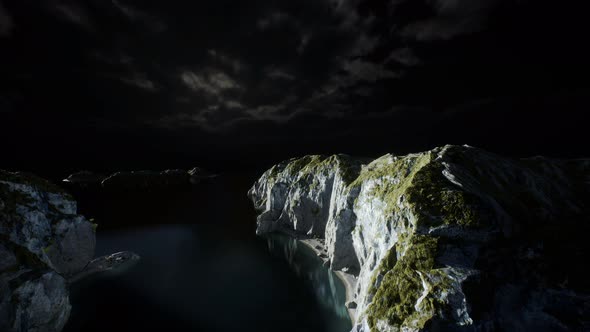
column 135, row 83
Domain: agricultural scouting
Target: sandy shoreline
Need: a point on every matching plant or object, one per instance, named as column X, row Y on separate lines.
column 347, row 279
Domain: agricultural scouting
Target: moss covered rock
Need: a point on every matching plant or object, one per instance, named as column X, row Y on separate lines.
column 44, row 246
column 443, row 240
column 42, row 217
column 33, row 296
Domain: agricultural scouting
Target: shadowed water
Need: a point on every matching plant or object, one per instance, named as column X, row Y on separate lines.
column 327, row 287
column 202, row 268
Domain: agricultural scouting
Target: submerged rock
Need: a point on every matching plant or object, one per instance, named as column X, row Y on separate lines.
column 116, row 261
column 44, row 245
column 451, row 239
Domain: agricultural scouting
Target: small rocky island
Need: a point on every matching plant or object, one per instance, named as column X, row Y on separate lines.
column 140, row 180
column 44, row 246
column 452, row 239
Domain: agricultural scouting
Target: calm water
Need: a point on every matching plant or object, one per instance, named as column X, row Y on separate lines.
column 202, row 268
column 328, row 289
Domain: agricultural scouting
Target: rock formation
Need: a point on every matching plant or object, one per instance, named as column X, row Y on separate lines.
column 198, row 174
column 44, row 245
column 452, row 239
column 146, row 179
column 84, row 178
column 151, row 179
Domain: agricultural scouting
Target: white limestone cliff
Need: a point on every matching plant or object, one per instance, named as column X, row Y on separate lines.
column 421, row 233
column 44, row 246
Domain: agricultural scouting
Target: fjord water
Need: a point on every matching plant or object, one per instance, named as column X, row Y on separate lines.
column 202, row 267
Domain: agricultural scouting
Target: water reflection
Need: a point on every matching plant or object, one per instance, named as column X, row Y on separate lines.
column 202, row 268
column 328, row 289
column 185, row 283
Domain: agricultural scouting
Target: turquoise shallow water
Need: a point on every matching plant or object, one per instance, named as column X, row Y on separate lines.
column 327, row 287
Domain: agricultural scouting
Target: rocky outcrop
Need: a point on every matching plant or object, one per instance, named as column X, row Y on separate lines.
column 198, row 174
column 116, row 261
column 42, row 218
column 452, row 239
column 134, row 180
column 84, row 178
column 146, row 179
column 44, row 245
column 33, row 296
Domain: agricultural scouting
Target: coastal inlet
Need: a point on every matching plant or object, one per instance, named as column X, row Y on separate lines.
column 202, row 266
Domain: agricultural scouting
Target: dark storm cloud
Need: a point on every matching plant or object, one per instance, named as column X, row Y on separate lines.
column 210, row 82
column 294, row 72
column 287, row 55
column 6, row 22
column 278, row 74
column 404, row 56
column 152, row 22
column 452, row 18
column 224, row 62
column 73, row 13
column 140, row 81
column 273, row 20
column 232, row 64
column 359, row 70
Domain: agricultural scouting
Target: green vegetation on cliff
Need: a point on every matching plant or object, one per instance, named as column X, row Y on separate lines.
column 307, row 167
column 444, row 214
column 401, row 286
column 421, row 183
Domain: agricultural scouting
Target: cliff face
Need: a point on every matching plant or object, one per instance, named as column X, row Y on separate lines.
column 43, row 243
column 454, row 238
column 43, row 219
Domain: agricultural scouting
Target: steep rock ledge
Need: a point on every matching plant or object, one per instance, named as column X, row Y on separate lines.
column 44, row 245
column 455, row 238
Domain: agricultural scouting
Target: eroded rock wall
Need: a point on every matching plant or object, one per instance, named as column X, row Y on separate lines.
column 427, row 233
column 42, row 243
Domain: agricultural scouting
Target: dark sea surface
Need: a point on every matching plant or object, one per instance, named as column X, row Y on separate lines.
column 202, row 267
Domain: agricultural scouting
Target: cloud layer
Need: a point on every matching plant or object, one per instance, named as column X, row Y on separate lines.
column 6, row 23
column 275, row 69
